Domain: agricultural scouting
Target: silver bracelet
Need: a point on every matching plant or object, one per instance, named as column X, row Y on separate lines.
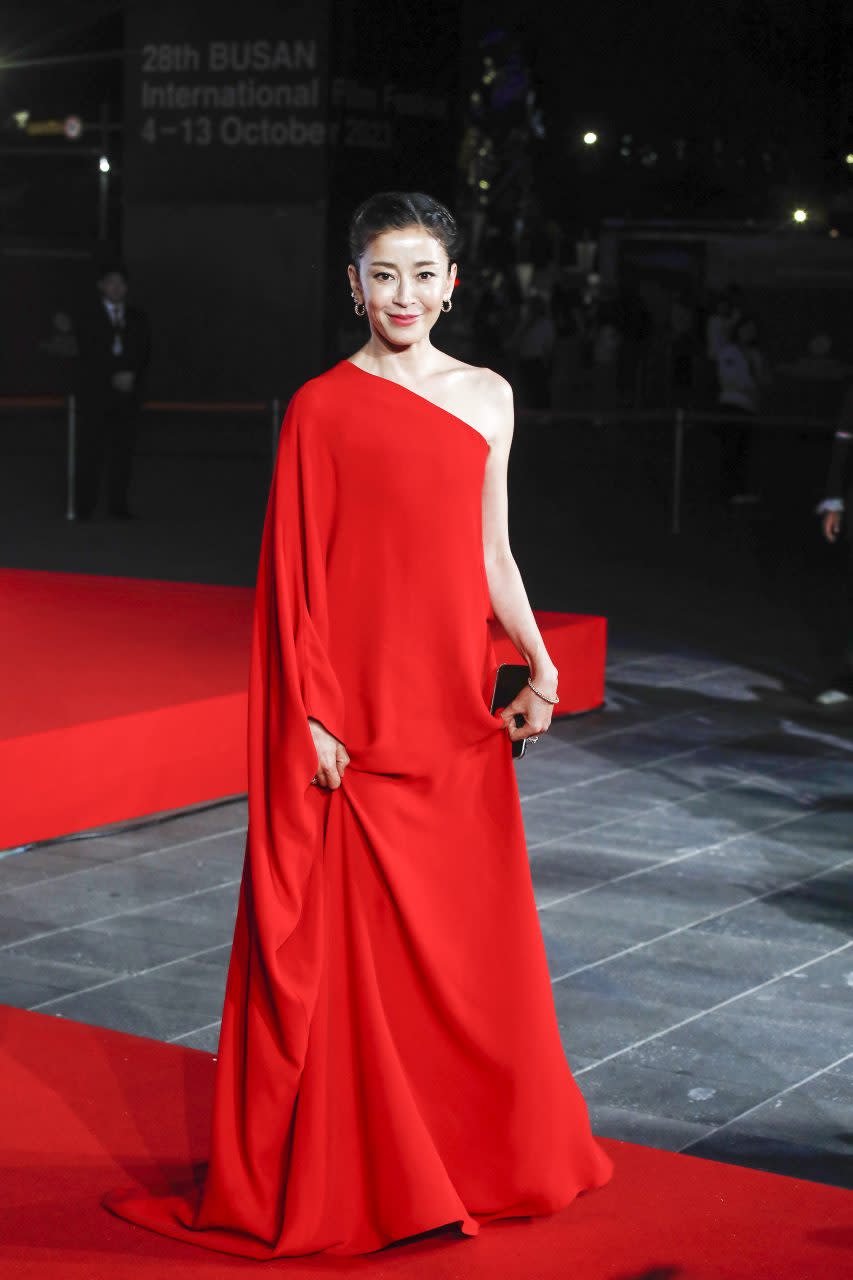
column 545, row 698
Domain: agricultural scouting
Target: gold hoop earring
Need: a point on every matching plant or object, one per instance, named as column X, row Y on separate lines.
column 446, row 305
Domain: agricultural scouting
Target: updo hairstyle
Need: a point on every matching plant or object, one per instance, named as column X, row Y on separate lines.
column 395, row 210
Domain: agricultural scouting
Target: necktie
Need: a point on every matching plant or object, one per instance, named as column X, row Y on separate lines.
column 117, row 319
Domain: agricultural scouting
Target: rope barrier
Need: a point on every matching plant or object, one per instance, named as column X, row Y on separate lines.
column 33, row 402
column 151, row 406
column 201, row 406
column 546, row 417
column 648, row 417
column 680, row 420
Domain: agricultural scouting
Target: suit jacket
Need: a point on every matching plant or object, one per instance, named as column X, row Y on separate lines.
column 839, row 482
column 96, row 362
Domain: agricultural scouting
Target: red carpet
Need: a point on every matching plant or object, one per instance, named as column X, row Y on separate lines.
column 121, row 697
column 577, row 643
column 83, row 1110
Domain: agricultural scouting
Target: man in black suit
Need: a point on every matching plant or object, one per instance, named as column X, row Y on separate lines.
column 114, row 347
column 836, row 511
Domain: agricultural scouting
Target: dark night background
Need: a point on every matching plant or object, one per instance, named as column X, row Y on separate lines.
column 759, row 92
column 713, row 125
column 734, row 114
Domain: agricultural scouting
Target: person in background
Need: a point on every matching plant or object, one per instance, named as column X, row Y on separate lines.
column 636, row 329
column 834, row 512
column 682, row 326
column 742, row 374
column 718, row 328
column 719, row 324
column 586, row 327
column 114, row 349
column 535, row 338
column 607, row 353
column 494, row 313
column 565, row 300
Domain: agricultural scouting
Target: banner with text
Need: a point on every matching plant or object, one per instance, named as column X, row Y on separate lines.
column 226, row 102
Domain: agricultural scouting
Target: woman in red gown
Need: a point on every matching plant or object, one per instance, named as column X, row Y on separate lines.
column 389, row 1060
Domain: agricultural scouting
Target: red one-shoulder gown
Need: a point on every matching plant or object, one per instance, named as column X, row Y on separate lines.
column 390, row 1060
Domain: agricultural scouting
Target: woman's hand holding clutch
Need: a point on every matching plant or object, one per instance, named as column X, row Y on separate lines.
column 537, row 715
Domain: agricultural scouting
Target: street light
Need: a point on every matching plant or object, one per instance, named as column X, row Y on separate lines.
column 590, row 138
column 800, row 215
column 104, row 164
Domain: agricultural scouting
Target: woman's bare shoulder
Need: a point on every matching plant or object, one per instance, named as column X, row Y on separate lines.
column 496, row 385
column 484, row 399
column 482, row 381
column 493, row 392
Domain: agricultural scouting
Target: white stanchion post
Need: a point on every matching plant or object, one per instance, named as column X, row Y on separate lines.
column 677, row 470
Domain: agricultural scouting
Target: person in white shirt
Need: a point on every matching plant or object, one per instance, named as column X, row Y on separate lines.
column 718, row 328
column 742, row 374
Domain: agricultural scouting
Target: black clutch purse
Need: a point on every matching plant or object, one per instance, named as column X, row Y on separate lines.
column 510, row 679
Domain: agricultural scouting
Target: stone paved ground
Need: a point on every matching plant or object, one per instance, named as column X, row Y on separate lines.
column 690, row 851
column 690, row 845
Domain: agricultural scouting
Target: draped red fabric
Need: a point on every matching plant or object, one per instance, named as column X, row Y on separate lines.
column 390, row 1060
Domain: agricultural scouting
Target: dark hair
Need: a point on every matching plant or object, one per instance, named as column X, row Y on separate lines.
column 399, row 209
column 110, row 266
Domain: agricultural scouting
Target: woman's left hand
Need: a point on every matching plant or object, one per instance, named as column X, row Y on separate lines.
column 536, row 711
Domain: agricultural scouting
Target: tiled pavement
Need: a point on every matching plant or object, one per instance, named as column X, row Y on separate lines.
column 690, row 845
column 691, row 849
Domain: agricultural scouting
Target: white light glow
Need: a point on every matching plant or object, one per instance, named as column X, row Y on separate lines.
column 590, row 138
column 800, row 215
column 104, row 164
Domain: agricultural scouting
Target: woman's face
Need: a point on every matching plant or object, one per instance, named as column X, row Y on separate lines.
column 402, row 278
